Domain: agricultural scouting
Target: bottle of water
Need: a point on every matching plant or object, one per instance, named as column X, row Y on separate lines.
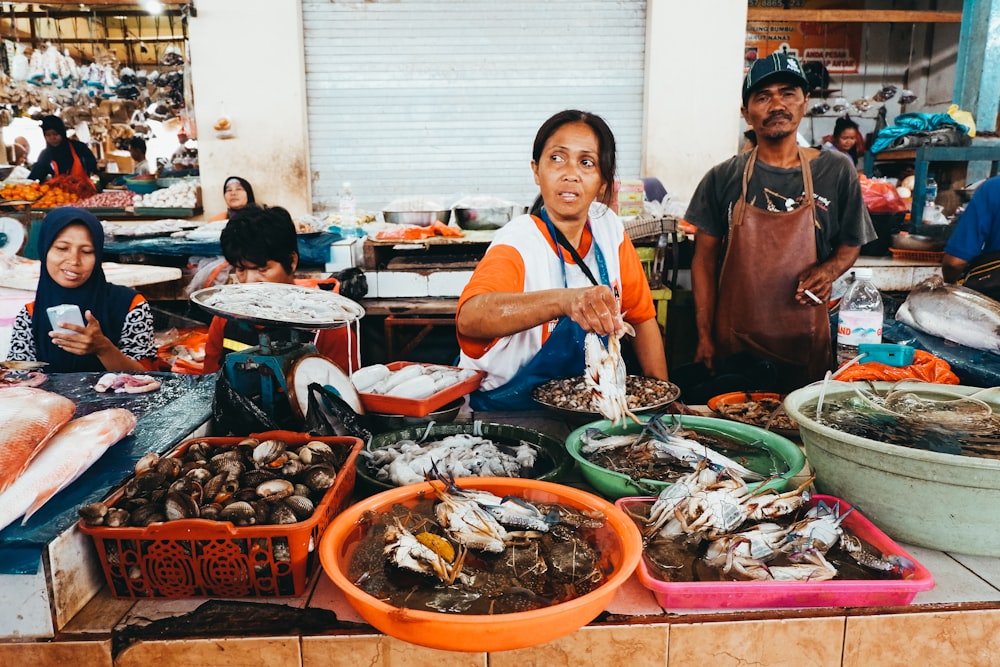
column 860, row 319
column 930, row 190
column 348, row 212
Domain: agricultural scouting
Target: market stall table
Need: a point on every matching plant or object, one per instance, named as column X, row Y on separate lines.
column 307, row 630
column 49, row 541
column 313, row 248
column 24, row 274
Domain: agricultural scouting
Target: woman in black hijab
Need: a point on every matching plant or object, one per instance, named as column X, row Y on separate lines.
column 238, row 194
column 118, row 331
column 62, row 155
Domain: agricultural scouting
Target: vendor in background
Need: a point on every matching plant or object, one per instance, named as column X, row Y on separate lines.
column 976, row 233
column 262, row 246
column 846, row 139
column 238, row 193
column 137, row 150
column 547, row 280
column 62, row 155
column 118, row 335
column 774, row 223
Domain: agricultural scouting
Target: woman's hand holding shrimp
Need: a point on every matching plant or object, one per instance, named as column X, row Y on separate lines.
column 85, row 340
column 595, row 309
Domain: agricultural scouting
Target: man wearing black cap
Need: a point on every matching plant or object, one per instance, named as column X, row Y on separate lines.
column 62, row 155
column 776, row 226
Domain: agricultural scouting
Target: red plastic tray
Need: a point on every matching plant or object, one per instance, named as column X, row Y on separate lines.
column 411, row 407
column 780, row 594
column 203, row 558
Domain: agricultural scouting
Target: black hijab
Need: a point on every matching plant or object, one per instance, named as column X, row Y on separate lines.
column 109, row 303
column 246, row 186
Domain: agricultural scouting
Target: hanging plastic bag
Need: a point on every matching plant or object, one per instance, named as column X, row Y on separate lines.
column 925, row 366
column 328, row 414
column 234, row 414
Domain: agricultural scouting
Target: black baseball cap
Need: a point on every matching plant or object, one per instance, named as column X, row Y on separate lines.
column 777, row 66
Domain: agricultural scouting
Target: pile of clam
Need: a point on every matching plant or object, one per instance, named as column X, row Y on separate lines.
column 254, row 482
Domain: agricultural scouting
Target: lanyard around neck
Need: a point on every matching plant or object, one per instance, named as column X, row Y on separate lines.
column 561, row 241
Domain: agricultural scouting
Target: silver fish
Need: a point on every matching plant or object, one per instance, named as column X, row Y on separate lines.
column 954, row 313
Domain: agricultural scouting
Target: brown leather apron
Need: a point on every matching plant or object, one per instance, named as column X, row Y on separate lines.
column 756, row 309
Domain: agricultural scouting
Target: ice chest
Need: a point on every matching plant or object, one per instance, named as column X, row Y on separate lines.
column 782, row 594
column 412, row 407
column 208, row 558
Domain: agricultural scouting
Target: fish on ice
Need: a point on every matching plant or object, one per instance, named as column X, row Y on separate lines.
column 67, row 455
column 953, row 312
column 28, row 418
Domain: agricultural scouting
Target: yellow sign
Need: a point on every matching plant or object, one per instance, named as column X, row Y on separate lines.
column 837, row 45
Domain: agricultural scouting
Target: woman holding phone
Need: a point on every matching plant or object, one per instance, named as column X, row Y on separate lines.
column 97, row 326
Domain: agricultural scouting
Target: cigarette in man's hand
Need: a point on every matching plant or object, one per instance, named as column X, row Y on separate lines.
column 812, row 296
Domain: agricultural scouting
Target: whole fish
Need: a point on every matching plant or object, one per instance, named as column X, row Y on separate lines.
column 28, row 418
column 954, row 313
column 70, row 452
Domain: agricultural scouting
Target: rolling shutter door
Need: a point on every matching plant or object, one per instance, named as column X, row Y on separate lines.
column 443, row 98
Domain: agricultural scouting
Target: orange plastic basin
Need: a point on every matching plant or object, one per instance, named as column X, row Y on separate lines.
column 619, row 542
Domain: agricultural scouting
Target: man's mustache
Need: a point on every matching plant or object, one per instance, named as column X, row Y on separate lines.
column 776, row 115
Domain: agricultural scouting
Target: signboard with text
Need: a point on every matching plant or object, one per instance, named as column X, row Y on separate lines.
column 837, row 45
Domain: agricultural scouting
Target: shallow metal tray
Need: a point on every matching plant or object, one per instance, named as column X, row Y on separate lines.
column 277, row 295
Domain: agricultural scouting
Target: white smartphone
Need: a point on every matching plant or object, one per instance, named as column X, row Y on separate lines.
column 67, row 312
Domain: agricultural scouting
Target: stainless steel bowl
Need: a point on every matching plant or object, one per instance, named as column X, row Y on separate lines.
column 385, row 422
column 419, row 218
column 916, row 242
column 483, row 218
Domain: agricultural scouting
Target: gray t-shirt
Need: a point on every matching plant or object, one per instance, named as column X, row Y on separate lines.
column 841, row 211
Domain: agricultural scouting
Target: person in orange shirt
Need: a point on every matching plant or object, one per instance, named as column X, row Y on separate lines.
column 548, row 280
column 261, row 245
column 62, row 155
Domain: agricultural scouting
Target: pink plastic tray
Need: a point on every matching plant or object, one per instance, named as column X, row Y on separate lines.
column 772, row 594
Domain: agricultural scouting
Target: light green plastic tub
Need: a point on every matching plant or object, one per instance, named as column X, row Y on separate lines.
column 940, row 501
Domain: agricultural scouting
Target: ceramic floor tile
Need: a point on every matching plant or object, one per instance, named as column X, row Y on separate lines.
column 326, row 595
column 57, row 654
column 953, row 581
column 984, row 567
column 380, row 650
column 777, row 643
column 256, row 652
column 953, row 638
column 635, row 646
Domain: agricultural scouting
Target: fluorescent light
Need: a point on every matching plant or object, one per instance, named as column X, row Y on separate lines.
column 153, row 6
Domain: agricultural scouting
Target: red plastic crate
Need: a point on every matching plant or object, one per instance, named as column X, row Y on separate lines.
column 412, row 407
column 206, row 558
column 786, row 594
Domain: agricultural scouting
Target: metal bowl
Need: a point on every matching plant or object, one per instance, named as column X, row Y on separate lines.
column 916, row 242
column 386, row 422
column 419, row 218
column 483, row 218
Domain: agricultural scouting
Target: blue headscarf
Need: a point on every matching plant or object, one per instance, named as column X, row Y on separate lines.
column 108, row 303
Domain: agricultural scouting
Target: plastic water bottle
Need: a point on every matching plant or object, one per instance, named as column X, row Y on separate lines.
column 860, row 319
column 931, row 190
column 348, row 212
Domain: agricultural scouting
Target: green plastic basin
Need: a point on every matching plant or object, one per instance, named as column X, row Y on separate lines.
column 777, row 454
column 940, row 501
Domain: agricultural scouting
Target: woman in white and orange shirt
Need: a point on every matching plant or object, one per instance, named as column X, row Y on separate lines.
column 524, row 315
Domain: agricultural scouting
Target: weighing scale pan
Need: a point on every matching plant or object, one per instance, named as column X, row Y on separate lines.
column 279, row 304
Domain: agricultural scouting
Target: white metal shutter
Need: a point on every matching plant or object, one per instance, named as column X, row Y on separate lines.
column 443, row 97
